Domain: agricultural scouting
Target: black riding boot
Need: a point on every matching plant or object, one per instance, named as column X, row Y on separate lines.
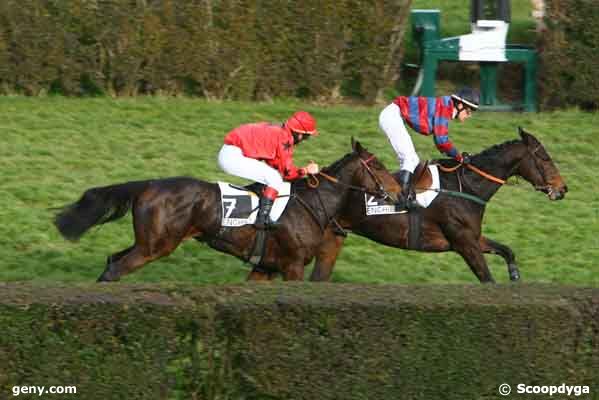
column 408, row 197
column 263, row 220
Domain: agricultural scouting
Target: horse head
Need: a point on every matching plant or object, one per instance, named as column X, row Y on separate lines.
column 361, row 170
column 373, row 175
column 537, row 168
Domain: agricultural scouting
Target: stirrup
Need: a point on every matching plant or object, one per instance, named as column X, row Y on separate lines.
column 404, row 205
column 267, row 224
column 411, row 203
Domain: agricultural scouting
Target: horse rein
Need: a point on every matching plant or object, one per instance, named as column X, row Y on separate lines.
column 475, row 169
column 313, row 181
column 461, row 193
column 499, row 180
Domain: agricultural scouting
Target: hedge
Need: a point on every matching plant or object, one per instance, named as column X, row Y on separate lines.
column 297, row 341
column 570, row 54
column 239, row 49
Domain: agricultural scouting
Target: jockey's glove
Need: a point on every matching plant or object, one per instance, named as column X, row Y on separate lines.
column 466, row 159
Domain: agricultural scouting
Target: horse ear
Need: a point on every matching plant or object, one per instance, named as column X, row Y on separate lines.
column 356, row 146
column 527, row 138
column 359, row 148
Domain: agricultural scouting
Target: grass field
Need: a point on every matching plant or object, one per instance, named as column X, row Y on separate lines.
column 54, row 148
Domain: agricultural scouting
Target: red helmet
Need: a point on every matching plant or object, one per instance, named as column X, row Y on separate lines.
column 302, row 122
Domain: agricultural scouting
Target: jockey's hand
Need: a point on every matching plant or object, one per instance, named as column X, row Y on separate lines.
column 311, row 168
column 466, row 159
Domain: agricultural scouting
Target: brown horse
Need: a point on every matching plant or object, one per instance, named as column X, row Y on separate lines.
column 168, row 211
column 452, row 222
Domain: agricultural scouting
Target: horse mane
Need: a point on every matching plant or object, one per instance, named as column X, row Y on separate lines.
column 485, row 155
column 491, row 152
column 337, row 165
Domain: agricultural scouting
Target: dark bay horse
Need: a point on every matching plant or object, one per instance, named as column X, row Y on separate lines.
column 168, row 211
column 454, row 223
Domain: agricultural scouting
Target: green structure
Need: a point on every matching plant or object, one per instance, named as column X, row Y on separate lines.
column 485, row 45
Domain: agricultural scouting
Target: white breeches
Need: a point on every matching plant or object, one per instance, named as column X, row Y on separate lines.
column 392, row 124
column 232, row 161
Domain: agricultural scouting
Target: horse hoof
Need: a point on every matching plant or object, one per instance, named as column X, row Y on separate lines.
column 105, row 277
column 514, row 274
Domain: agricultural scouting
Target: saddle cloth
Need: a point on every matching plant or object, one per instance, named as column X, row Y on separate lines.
column 240, row 207
column 427, row 186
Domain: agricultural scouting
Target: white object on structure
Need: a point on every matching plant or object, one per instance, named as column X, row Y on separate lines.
column 486, row 42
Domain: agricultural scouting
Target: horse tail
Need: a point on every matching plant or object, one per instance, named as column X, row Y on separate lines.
column 97, row 206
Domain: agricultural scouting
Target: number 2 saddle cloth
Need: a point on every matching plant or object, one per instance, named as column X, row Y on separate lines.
column 427, row 189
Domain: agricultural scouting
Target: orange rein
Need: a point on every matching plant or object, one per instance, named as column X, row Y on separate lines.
column 313, row 180
column 475, row 169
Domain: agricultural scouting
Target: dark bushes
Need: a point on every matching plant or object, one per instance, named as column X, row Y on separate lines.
column 239, row 49
column 570, row 54
column 297, row 341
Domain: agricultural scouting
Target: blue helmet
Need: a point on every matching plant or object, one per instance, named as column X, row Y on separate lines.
column 467, row 96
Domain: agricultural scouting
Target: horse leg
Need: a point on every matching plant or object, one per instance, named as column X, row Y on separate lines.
column 326, row 256
column 492, row 247
column 260, row 275
column 107, row 275
column 137, row 257
column 294, row 272
column 155, row 237
column 467, row 245
column 124, row 264
column 117, row 256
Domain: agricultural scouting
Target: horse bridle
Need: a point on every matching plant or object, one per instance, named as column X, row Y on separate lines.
column 502, row 181
column 541, row 171
column 380, row 187
column 313, row 182
column 379, row 192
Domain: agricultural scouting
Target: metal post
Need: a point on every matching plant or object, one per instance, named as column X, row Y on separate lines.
column 488, row 83
column 530, row 82
column 430, row 64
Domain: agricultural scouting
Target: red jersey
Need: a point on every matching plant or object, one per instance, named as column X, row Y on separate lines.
column 271, row 143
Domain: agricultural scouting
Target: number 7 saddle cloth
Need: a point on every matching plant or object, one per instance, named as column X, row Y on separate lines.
column 240, row 206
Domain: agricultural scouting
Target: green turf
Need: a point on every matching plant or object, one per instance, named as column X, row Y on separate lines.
column 54, row 148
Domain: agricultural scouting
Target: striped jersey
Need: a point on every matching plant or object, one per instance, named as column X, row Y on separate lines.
column 428, row 115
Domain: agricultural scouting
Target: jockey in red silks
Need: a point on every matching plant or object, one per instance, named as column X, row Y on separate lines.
column 263, row 152
column 426, row 115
